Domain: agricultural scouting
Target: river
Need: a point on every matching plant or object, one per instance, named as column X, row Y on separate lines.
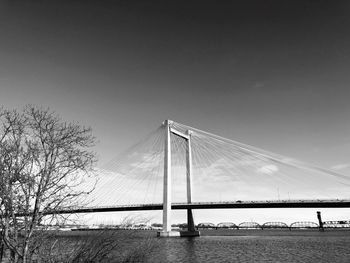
column 247, row 246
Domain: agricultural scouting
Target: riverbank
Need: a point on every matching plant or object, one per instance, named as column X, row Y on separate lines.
column 276, row 232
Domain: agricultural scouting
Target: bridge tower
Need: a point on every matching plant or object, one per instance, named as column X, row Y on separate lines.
column 167, row 183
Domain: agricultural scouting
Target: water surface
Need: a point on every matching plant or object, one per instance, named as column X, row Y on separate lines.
column 253, row 246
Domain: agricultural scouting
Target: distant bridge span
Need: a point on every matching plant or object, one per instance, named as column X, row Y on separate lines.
column 214, row 205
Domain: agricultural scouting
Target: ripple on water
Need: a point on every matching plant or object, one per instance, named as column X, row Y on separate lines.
column 269, row 247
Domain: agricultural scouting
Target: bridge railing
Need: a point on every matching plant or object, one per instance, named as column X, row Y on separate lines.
column 206, row 205
column 232, row 202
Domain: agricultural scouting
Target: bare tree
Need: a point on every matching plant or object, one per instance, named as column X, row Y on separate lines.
column 43, row 162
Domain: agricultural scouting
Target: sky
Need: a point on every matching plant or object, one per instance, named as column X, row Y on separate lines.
column 273, row 74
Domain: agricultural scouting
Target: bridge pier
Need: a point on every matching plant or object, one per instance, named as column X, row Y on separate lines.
column 166, row 232
column 320, row 221
column 191, row 231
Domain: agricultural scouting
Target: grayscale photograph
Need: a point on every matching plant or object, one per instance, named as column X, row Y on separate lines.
column 174, row 131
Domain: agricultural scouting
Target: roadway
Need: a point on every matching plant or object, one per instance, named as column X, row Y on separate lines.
column 214, row 205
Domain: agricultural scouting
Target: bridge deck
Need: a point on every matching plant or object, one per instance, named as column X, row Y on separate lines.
column 217, row 205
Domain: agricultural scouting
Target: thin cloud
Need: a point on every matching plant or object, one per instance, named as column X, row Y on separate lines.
column 340, row 166
column 268, row 169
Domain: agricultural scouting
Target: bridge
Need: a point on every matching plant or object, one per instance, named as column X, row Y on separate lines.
column 205, row 171
column 214, row 205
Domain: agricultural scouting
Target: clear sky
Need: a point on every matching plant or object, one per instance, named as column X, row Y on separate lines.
column 273, row 74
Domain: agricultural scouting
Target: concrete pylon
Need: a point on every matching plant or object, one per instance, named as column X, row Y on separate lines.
column 190, row 223
column 167, row 186
column 191, row 231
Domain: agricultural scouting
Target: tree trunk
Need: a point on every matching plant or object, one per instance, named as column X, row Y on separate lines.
column 26, row 249
column 1, row 249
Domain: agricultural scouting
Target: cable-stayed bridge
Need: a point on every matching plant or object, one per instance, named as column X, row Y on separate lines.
column 181, row 167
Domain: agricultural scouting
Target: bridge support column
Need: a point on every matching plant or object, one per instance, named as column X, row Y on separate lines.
column 167, row 186
column 320, row 221
column 191, row 230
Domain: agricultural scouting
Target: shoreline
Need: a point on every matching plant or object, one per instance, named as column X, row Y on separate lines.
column 220, row 232
column 276, row 232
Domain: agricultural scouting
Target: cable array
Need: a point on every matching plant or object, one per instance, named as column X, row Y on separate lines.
column 223, row 170
column 134, row 175
column 237, row 171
